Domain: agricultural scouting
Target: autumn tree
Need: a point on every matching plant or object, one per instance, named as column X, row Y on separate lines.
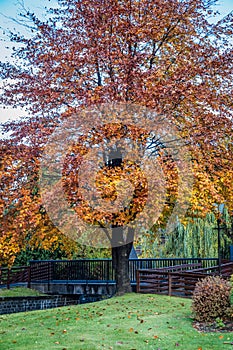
column 163, row 55
column 24, row 222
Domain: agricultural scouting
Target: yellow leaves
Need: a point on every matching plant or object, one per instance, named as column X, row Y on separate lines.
column 9, row 247
column 212, row 170
column 117, row 187
column 108, row 183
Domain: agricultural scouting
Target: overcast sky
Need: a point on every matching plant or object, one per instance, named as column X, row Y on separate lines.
column 10, row 8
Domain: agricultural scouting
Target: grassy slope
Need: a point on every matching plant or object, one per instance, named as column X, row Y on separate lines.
column 18, row 292
column 130, row 322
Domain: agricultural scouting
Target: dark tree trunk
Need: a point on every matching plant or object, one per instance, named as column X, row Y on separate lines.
column 120, row 260
column 121, row 245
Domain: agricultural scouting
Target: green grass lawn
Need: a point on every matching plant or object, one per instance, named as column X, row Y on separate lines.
column 19, row 292
column 134, row 321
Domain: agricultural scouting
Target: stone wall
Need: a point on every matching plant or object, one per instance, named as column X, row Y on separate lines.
column 9, row 305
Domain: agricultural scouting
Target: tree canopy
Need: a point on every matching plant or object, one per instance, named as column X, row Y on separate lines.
column 166, row 56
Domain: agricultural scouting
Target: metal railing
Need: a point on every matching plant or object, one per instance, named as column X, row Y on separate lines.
column 87, row 269
column 101, row 269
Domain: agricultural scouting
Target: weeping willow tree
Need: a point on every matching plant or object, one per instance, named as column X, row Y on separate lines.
column 197, row 238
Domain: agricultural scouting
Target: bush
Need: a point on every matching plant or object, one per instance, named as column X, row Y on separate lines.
column 231, row 281
column 211, row 298
column 229, row 313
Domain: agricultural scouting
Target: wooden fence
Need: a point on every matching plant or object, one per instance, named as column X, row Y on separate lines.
column 15, row 275
column 175, row 282
column 167, row 283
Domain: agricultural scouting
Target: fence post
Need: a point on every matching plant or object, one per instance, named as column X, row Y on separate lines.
column 29, row 276
column 8, row 278
column 49, row 272
column 108, row 277
column 169, row 284
column 138, row 281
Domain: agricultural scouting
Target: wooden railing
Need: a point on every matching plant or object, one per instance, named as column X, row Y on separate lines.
column 167, row 283
column 225, row 269
column 175, row 282
column 15, row 275
column 155, row 263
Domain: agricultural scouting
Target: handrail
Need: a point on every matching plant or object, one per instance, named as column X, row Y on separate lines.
column 88, row 269
column 16, row 274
